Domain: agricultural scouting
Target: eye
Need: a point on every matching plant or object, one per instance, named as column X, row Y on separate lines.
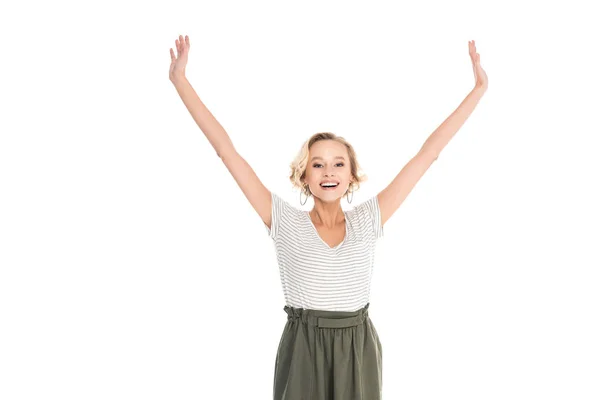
column 342, row 164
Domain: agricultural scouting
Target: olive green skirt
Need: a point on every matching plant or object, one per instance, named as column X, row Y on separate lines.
column 328, row 355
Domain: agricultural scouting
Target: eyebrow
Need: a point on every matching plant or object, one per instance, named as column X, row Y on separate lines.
column 320, row 158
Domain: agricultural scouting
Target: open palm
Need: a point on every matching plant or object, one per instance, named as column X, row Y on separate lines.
column 481, row 79
column 178, row 63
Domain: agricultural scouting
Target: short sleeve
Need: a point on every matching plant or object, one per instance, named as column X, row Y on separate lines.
column 280, row 211
column 369, row 210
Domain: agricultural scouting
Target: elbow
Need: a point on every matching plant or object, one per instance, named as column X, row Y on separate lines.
column 431, row 154
column 225, row 153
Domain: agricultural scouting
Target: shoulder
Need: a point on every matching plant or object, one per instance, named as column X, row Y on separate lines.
column 284, row 205
column 284, row 217
column 366, row 207
column 368, row 216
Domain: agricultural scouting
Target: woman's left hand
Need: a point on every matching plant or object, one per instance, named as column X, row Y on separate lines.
column 481, row 80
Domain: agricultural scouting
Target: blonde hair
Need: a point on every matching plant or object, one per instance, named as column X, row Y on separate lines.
column 300, row 163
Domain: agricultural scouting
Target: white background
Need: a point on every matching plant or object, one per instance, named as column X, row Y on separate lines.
column 133, row 267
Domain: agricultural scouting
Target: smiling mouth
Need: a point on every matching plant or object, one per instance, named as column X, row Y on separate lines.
column 330, row 186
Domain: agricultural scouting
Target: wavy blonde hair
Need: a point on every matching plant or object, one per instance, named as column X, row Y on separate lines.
column 300, row 163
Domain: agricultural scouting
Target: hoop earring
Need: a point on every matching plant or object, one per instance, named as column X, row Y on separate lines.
column 301, row 191
column 350, row 201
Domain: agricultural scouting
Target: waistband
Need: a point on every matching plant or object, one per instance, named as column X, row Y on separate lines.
column 328, row 319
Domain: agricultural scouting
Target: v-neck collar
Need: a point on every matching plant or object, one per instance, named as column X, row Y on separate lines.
column 307, row 213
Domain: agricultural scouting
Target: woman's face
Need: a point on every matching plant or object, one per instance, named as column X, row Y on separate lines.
column 328, row 161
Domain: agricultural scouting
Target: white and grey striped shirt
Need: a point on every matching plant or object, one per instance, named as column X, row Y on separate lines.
column 316, row 276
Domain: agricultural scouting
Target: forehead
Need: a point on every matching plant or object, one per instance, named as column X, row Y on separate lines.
column 328, row 149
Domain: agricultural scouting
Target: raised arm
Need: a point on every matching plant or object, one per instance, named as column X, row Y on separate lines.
column 258, row 195
column 396, row 192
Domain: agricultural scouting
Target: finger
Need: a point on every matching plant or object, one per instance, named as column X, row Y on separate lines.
column 187, row 40
column 184, row 45
column 172, row 54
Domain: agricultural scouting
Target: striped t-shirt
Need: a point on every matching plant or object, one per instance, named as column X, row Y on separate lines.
column 313, row 274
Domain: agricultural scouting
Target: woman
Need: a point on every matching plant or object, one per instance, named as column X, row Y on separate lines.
column 329, row 348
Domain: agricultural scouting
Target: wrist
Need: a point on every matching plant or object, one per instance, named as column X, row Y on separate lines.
column 177, row 77
column 479, row 89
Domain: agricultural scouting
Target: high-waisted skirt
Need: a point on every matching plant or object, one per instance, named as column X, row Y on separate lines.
column 328, row 355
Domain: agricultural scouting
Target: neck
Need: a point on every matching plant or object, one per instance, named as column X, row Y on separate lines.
column 328, row 214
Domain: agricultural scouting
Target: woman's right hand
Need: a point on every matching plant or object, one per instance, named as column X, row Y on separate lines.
column 178, row 63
